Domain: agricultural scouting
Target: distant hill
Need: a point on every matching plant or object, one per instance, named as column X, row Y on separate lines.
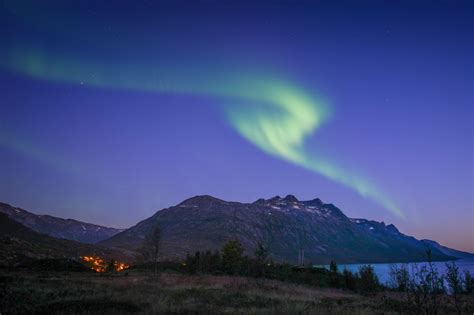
column 449, row 251
column 20, row 244
column 57, row 227
column 287, row 225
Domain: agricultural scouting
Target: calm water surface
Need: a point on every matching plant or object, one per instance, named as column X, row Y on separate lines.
column 383, row 270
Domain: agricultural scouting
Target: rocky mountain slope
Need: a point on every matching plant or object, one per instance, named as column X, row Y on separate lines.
column 20, row 244
column 286, row 225
column 57, row 227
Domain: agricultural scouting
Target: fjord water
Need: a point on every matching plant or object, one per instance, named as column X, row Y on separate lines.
column 383, row 270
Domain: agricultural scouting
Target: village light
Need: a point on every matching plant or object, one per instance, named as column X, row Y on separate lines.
column 98, row 264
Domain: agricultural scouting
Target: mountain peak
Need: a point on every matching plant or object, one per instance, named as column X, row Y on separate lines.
column 201, row 200
column 389, row 227
column 290, row 198
column 259, row 201
column 333, row 210
column 315, row 202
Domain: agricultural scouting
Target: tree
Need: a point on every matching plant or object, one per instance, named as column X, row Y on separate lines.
column 468, row 282
column 190, row 263
column 215, row 262
column 427, row 287
column 420, row 288
column 333, row 275
column 232, row 256
column 261, row 257
column 111, row 266
column 453, row 278
column 436, row 284
column 151, row 247
column 400, row 277
column 203, row 262
column 261, row 253
column 369, row 282
column 349, row 280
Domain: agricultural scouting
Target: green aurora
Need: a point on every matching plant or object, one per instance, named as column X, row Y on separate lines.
column 274, row 115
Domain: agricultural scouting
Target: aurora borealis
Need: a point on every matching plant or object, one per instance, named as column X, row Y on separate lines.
column 277, row 118
column 274, row 89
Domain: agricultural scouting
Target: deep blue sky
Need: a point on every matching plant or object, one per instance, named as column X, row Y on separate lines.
column 397, row 74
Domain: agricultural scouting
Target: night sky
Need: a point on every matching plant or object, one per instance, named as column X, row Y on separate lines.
column 109, row 113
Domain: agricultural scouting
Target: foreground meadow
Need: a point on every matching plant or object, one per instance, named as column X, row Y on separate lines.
column 134, row 291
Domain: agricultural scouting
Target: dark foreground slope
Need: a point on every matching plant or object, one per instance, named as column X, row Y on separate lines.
column 286, row 225
column 57, row 227
column 138, row 292
column 19, row 244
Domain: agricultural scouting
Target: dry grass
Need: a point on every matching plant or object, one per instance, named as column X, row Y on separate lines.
column 139, row 292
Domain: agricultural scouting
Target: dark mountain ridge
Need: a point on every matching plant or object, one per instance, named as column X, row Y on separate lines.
column 60, row 228
column 20, row 244
column 449, row 251
column 285, row 225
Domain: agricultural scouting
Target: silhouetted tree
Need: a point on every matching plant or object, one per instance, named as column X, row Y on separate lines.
column 111, row 266
column 261, row 253
column 215, row 262
column 333, row 275
column 368, row 282
column 350, row 280
column 190, row 263
column 261, row 258
column 232, row 256
column 435, row 283
column 426, row 287
column 151, row 247
column 454, row 281
column 468, row 282
column 203, row 262
column 400, row 277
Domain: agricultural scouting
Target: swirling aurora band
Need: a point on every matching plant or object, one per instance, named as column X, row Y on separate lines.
column 274, row 115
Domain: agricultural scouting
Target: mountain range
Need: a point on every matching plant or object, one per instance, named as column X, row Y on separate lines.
column 449, row 251
column 285, row 226
column 57, row 227
column 20, row 244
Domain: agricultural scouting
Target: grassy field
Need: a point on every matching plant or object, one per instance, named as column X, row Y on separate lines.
column 28, row 292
